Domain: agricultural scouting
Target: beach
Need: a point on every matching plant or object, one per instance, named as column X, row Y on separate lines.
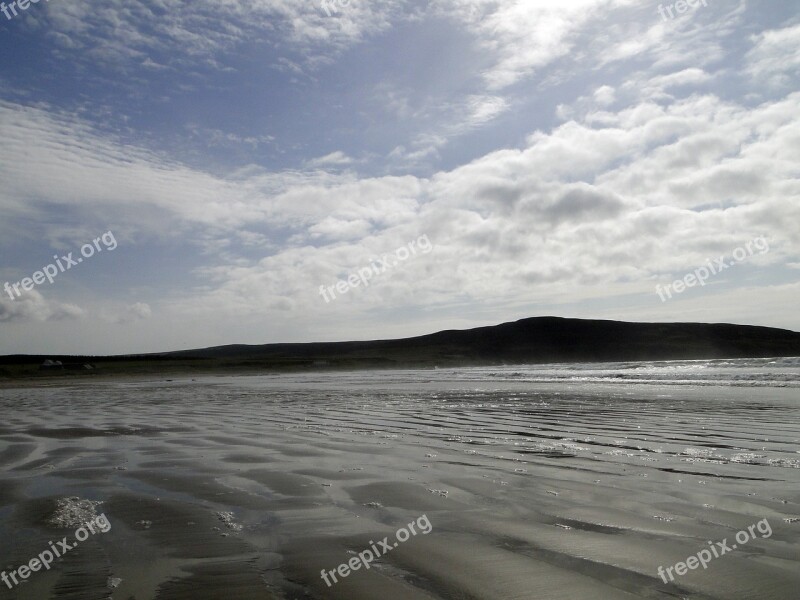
column 538, row 482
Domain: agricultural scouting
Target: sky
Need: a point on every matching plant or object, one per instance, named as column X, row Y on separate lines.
column 183, row 174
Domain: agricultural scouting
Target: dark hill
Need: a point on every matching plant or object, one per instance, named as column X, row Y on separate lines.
column 543, row 339
column 534, row 340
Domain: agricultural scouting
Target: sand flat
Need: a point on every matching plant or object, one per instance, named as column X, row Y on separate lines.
column 248, row 487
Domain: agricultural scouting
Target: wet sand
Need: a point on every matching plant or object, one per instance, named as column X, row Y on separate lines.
column 247, row 487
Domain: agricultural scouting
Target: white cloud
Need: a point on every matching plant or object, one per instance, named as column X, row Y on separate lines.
column 334, row 159
column 482, row 109
column 130, row 31
column 515, row 226
column 775, row 57
column 32, row 306
column 604, row 95
column 649, row 190
column 697, row 40
column 655, row 88
column 523, row 35
column 130, row 314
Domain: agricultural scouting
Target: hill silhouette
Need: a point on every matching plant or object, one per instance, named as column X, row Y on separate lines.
column 532, row 340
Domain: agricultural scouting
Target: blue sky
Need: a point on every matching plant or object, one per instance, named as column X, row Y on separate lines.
column 563, row 158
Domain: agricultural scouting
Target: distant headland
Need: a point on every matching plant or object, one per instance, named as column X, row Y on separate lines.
column 532, row 340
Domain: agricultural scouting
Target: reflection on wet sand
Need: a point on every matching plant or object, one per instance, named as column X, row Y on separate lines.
column 248, row 487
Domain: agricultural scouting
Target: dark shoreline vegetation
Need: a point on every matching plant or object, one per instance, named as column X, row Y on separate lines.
column 533, row 340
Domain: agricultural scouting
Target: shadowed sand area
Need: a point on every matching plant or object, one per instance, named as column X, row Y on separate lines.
column 247, row 487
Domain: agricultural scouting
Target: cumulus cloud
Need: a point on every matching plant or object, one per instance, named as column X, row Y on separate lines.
column 645, row 191
column 32, row 306
column 775, row 56
column 696, row 152
column 670, row 188
column 334, row 159
column 604, row 95
column 130, row 314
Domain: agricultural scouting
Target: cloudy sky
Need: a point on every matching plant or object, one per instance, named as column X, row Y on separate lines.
column 561, row 157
